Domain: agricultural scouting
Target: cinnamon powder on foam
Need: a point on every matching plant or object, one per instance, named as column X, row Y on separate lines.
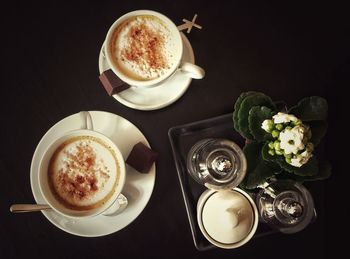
column 83, row 182
column 145, row 48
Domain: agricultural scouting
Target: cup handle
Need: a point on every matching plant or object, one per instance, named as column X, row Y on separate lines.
column 117, row 207
column 87, row 120
column 192, row 70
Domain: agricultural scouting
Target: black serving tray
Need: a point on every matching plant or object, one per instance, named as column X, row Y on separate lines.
column 182, row 138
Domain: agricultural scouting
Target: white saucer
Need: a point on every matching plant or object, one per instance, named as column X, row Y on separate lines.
column 138, row 187
column 156, row 97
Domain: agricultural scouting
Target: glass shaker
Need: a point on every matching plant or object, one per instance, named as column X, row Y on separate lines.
column 217, row 163
column 286, row 206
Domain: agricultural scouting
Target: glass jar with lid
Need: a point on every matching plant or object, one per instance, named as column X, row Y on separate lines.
column 286, row 205
column 217, row 163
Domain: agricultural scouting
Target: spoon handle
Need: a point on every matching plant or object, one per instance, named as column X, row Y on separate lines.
column 18, row 208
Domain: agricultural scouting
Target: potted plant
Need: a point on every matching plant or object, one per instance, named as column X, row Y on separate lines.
column 281, row 143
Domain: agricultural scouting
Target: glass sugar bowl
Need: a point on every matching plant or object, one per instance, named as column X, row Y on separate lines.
column 286, row 205
column 217, row 163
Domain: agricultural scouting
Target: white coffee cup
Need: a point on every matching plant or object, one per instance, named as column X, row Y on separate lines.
column 173, row 46
column 227, row 218
column 112, row 201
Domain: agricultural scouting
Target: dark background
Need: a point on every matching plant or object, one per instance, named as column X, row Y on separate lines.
column 50, row 71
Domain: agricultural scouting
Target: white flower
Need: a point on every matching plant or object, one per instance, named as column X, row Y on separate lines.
column 292, row 140
column 267, row 125
column 284, row 118
column 301, row 129
column 296, row 162
column 301, row 159
column 305, row 156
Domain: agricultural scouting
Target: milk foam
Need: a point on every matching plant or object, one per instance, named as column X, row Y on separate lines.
column 142, row 69
column 104, row 171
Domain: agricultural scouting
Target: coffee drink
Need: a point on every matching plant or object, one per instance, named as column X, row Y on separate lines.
column 83, row 173
column 143, row 48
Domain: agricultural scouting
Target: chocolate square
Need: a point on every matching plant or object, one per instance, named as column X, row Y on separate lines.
column 112, row 83
column 141, row 158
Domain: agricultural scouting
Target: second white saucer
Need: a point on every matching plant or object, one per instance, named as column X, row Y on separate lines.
column 138, row 187
column 156, row 97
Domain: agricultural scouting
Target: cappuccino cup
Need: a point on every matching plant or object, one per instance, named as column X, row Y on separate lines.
column 82, row 173
column 144, row 48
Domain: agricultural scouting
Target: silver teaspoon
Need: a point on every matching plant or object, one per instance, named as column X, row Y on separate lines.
column 18, row 208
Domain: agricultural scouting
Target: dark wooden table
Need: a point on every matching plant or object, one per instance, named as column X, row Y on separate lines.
column 50, row 71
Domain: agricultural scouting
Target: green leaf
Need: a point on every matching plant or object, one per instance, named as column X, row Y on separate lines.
column 258, row 99
column 252, row 152
column 325, row 170
column 258, row 170
column 281, row 106
column 237, row 106
column 311, row 109
column 284, row 165
column 284, row 175
column 318, row 130
column 256, row 117
column 309, row 169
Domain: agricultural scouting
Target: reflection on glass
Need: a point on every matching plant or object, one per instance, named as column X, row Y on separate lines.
column 217, row 163
column 285, row 205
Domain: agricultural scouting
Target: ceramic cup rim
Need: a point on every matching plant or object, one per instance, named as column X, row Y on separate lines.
column 46, row 191
column 200, row 205
column 174, row 32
